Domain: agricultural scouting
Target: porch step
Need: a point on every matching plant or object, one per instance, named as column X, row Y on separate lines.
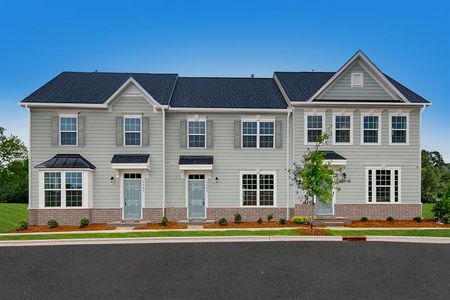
column 196, row 222
column 332, row 221
column 128, row 223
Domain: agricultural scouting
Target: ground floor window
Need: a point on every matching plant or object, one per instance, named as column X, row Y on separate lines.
column 63, row 189
column 383, row 185
column 258, row 189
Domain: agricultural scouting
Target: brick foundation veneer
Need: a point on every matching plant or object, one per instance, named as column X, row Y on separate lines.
column 73, row 216
column 247, row 213
column 152, row 214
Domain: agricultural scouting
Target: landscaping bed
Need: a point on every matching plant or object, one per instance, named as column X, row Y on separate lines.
column 65, row 228
column 265, row 224
column 396, row 223
column 170, row 225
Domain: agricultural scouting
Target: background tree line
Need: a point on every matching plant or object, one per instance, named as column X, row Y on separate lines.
column 435, row 176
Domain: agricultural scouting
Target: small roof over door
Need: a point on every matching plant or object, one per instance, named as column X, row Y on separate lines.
column 131, row 161
column 196, row 162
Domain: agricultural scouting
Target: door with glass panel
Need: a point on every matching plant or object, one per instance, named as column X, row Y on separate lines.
column 132, row 196
column 196, row 196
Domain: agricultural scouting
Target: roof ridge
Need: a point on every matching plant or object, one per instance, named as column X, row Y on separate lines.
column 222, row 77
column 123, row 73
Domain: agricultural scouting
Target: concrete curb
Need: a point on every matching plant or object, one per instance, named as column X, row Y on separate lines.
column 409, row 239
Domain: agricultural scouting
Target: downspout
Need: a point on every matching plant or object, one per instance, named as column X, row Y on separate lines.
column 287, row 164
column 163, row 162
column 29, row 156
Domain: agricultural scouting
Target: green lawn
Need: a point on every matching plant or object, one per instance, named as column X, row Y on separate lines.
column 152, row 234
column 11, row 214
column 393, row 232
column 426, row 210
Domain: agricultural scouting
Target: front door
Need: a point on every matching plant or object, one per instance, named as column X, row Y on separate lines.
column 132, row 196
column 196, row 196
column 324, row 209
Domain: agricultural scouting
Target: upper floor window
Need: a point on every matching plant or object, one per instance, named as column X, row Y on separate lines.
column 314, row 127
column 343, row 127
column 371, row 129
column 399, row 129
column 357, row 80
column 258, row 134
column 133, row 130
column 68, row 130
column 383, row 185
column 196, row 133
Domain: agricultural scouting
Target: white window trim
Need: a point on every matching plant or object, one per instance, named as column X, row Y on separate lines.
column 335, row 114
column 205, row 134
column 87, row 192
column 60, row 131
column 402, row 114
column 258, row 134
column 306, row 125
column 379, row 127
column 392, row 200
column 353, row 84
column 257, row 173
column 124, row 131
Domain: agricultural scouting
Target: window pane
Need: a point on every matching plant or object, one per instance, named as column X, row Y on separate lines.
column 266, row 182
column 342, row 122
column 399, row 122
column 266, row 141
column 68, row 124
column 74, row 198
column 197, row 127
column 52, row 198
column 315, row 122
column 132, row 124
column 396, row 185
column 74, row 180
column 369, row 186
column 249, row 198
column 266, row 127
column 249, row 141
column 249, row 128
column 52, row 181
column 342, row 136
column 370, row 136
column 313, row 135
column 266, row 198
column 68, row 138
column 383, row 185
column 371, row 122
column 132, row 138
column 196, row 141
column 399, row 136
column 249, row 182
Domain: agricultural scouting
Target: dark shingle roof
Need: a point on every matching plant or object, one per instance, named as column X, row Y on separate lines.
column 223, row 92
column 300, row 86
column 66, row 161
column 97, row 87
column 331, row 155
column 130, row 158
column 196, row 160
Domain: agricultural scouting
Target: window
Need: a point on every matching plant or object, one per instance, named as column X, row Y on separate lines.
column 258, row 189
column 314, row 124
column 343, row 127
column 383, row 185
column 63, row 189
column 197, row 134
column 357, row 80
column 68, row 129
column 133, row 125
column 258, row 134
column 132, row 176
column 399, row 129
column 371, row 129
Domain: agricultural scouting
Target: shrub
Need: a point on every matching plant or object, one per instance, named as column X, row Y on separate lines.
column 223, row 222
column 270, row 217
column 364, row 219
column 417, row 219
column 237, row 218
column 299, row 220
column 84, row 223
column 164, row 221
column 259, row 221
column 389, row 219
column 23, row 225
column 441, row 210
column 282, row 221
column 52, row 223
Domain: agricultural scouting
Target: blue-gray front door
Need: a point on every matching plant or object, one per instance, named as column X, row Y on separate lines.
column 132, row 198
column 324, row 209
column 196, row 196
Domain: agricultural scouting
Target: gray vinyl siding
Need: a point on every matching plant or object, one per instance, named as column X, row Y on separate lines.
column 359, row 156
column 342, row 89
column 228, row 161
column 99, row 148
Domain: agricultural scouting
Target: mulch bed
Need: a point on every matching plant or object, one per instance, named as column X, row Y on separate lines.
column 64, row 228
column 273, row 224
column 396, row 223
column 171, row 225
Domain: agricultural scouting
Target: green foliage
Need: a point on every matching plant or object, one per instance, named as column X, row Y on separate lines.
column 23, row 225
column 164, row 221
column 270, row 217
column 282, row 221
column 299, row 220
column 52, row 223
column 237, row 218
column 259, row 221
column 417, row 219
column 223, row 222
column 389, row 219
column 364, row 219
column 435, row 176
column 442, row 208
column 84, row 223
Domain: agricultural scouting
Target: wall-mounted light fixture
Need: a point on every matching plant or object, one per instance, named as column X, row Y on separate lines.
column 217, row 179
column 111, row 179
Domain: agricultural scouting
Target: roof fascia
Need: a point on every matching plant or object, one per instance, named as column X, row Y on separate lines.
column 324, row 103
column 230, row 110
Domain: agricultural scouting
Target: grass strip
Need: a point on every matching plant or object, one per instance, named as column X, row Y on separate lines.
column 11, row 214
column 392, row 232
column 150, row 234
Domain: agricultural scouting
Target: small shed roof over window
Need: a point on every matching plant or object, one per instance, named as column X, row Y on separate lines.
column 66, row 161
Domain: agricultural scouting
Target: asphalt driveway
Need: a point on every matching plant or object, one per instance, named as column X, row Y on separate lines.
column 323, row 270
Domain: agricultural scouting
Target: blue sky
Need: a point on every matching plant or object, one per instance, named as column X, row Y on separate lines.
column 409, row 40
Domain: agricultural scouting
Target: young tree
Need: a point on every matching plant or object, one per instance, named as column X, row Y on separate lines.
column 316, row 177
